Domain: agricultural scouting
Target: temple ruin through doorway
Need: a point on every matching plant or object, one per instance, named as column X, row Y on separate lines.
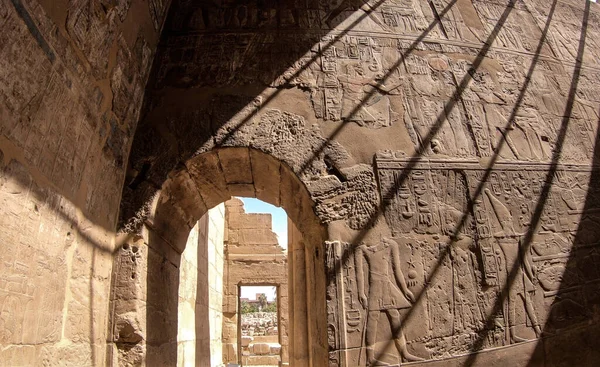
column 259, row 324
column 182, row 202
column 255, row 258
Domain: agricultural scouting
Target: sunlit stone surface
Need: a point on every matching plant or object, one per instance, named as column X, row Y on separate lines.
column 437, row 159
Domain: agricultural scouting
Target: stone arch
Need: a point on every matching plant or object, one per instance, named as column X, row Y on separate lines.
column 199, row 184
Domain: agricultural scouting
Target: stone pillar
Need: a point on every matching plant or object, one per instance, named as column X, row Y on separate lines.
column 202, row 324
column 201, row 293
column 284, row 323
column 230, row 332
column 299, row 355
column 187, row 312
column 128, row 332
column 291, row 290
column 216, row 225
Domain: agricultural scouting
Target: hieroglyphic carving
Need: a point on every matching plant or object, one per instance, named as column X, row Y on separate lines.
column 457, row 255
column 453, row 23
column 16, row 293
column 92, row 26
column 519, row 29
column 380, row 81
column 430, row 82
column 406, row 16
column 387, row 292
column 528, row 136
column 337, row 333
column 345, row 314
column 350, row 86
column 368, row 281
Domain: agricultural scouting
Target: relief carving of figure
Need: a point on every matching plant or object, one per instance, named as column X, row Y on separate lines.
column 521, row 290
column 363, row 101
column 516, row 259
column 503, row 215
column 535, row 134
column 388, row 293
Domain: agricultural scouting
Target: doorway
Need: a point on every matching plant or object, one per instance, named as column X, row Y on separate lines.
column 259, row 334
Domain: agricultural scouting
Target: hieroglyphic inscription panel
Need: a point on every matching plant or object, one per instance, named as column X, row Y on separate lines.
column 478, row 258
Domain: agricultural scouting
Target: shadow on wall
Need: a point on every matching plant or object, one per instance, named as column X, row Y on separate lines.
column 185, row 197
column 567, row 274
column 212, row 56
column 235, row 75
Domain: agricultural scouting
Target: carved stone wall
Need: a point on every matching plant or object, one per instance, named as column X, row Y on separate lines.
column 72, row 77
column 355, row 98
column 489, row 257
column 455, row 136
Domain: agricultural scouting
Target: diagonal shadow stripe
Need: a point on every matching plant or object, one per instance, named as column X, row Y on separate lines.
column 548, row 182
column 287, row 80
column 511, row 120
column 415, row 158
column 379, row 86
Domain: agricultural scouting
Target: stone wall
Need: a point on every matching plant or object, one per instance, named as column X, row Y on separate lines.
column 72, row 77
column 216, row 263
column 456, row 138
column 448, row 146
column 193, row 273
column 252, row 257
column 297, row 308
column 201, row 293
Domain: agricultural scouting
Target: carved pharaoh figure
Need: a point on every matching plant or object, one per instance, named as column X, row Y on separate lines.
column 503, row 214
column 388, row 292
column 520, row 290
column 517, row 261
column 535, row 133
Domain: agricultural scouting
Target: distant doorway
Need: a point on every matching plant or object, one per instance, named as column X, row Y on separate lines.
column 259, row 334
column 256, row 278
column 192, row 190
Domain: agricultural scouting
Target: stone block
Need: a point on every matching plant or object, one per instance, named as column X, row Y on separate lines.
column 183, row 192
column 234, row 205
column 171, row 224
column 243, row 190
column 229, row 331
column 230, row 304
column 265, row 170
column 237, row 221
column 261, row 348
column 275, row 349
column 236, row 165
column 229, row 352
column 246, row 340
column 261, row 361
column 258, row 236
column 206, row 172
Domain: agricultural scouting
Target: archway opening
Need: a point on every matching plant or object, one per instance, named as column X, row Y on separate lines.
column 233, row 276
column 199, row 185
